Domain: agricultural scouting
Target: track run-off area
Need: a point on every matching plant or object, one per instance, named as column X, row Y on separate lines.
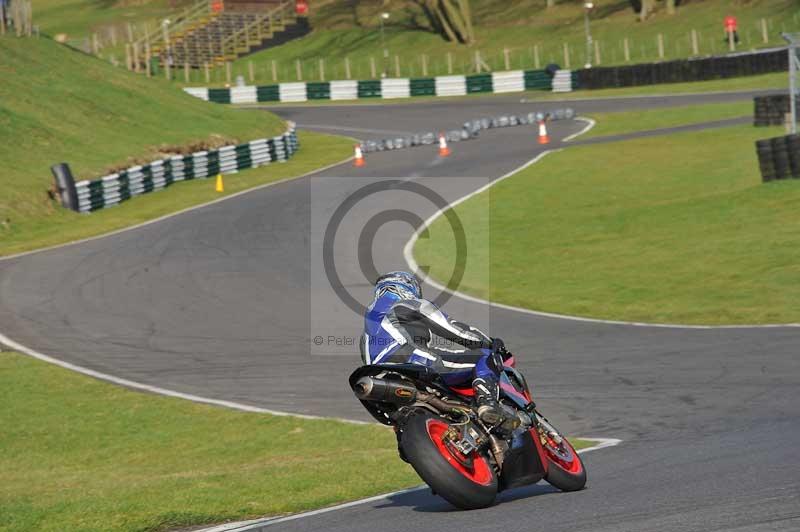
column 225, row 302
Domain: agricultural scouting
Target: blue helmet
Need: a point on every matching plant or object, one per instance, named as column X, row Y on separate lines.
column 401, row 285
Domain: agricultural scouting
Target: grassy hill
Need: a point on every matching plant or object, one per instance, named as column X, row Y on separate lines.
column 348, row 29
column 59, row 105
column 351, row 29
column 80, row 18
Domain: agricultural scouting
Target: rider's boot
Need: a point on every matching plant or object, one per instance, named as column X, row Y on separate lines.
column 489, row 410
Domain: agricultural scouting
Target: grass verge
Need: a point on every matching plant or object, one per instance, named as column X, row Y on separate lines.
column 632, row 121
column 81, row 454
column 673, row 229
column 60, row 105
column 60, row 226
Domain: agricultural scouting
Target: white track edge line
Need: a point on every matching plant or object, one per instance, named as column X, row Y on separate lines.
column 4, row 340
column 589, row 125
column 244, row 526
column 176, row 213
column 408, row 255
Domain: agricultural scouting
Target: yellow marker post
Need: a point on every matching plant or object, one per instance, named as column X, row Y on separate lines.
column 220, row 185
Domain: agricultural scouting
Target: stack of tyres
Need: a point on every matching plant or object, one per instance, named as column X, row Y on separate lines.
column 318, row 91
column 793, row 146
column 765, row 160
column 369, row 89
column 422, row 87
column 479, row 83
column 268, row 93
column 780, row 158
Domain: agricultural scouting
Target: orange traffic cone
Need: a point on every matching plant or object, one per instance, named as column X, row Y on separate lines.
column 359, row 160
column 544, row 138
column 444, row 151
column 220, row 185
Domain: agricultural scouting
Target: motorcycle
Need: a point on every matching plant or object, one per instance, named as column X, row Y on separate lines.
column 462, row 459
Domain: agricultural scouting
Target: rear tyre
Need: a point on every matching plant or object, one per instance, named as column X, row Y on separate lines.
column 465, row 482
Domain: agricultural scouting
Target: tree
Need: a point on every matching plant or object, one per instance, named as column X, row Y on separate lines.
column 451, row 18
column 647, row 6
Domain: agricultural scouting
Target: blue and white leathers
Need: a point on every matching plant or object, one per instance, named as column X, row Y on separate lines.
column 403, row 329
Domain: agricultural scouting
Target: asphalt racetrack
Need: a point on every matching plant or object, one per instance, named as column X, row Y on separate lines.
column 233, row 301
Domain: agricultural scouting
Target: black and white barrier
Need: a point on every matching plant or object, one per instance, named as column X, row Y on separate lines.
column 112, row 189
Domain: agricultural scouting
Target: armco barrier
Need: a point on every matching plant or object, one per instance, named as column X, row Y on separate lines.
column 497, row 82
column 779, row 157
column 734, row 65
column 112, row 189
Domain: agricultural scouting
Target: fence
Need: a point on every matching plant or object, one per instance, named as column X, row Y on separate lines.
column 496, row 82
column 17, row 18
column 638, row 47
column 112, row 189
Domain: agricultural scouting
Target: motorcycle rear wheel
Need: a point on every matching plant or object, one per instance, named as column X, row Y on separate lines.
column 465, row 482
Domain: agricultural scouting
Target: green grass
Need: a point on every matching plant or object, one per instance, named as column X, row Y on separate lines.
column 342, row 31
column 60, row 105
column 80, row 454
column 674, row 229
column 83, row 455
column 631, row 121
column 79, row 19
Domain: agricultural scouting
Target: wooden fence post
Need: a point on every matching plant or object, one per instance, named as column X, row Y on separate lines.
column 321, row 69
column 186, row 72
column 566, row 55
column 228, row 72
column 208, row 73
column 449, row 63
column 506, row 59
column 112, row 31
column 626, row 49
column 2, row 20
column 298, row 69
column 372, row 72
column 536, row 62
column 424, row 65
column 250, row 71
column 764, row 33
column 128, row 59
column 147, row 66
column 695, row 47
column 597, row 53
column 135, row 47
column 347, row 67
column 274, row 71
column 660, row 40
column 397, row 66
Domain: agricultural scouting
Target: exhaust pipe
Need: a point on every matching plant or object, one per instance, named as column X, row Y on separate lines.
column 385, row 391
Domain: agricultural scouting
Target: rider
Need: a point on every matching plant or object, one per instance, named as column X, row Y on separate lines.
column 399, row 327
